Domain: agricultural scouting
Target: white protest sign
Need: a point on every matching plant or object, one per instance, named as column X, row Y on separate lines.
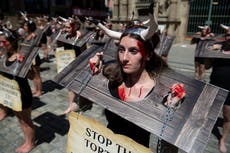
column 89, row 136
column 64, row 58
column 10, row 95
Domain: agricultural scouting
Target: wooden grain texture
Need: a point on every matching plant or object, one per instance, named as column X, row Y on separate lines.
column 165, row 45
column 20, row 68
column 72, row 70
column 29, row 51
column 75, row 41
column 193, row 121
column 28, row 62
column 88, row 36
column 203, row 49
column 197, row 119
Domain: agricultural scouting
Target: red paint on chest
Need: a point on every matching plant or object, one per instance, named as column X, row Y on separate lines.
column 121, row 93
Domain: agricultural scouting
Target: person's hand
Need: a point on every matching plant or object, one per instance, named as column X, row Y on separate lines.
column 95, row 63
column 216, row 47
column 20, row 57
column 175, row 96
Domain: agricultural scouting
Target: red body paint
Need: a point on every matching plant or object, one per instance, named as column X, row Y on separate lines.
column 92, row 66
column 121, row 93
column 141, row 48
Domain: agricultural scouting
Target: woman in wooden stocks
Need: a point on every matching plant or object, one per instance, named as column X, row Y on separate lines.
column 200, row 62
column 9, row 42
column 72, row 30
column 220, row 77
column 34, row 73
column 133, row 77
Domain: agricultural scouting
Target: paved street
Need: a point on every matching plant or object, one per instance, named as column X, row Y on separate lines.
column 52, row 126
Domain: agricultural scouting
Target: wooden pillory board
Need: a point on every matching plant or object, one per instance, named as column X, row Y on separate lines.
column 204, row 49
column 20, row 68
column 29, row 51
column 193, row 121
column 165, row 45
column 74, row 41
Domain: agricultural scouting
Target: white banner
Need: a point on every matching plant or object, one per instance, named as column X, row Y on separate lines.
column 10, row 95
column 89, row 136
column 64, row 58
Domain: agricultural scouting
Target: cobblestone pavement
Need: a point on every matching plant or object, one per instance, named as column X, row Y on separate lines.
column 52, row 126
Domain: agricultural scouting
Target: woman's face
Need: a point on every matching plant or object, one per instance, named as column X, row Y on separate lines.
column 131, row 55
column 5, row 46
column 25, row 26
column 4, row 43
column 68, row 27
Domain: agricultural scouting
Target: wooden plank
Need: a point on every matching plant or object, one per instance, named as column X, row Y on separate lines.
column 62, row 78
column 63, row 38
column 152, row 99
column 88, row 36
column 82, row 61
column 196, row 120
column 120, row 108
column 192, row 123
column 20, row 68
column 165, row 45
column 54, row 36
column 28, row 62
column 74, row 41
column 203, row 49
column 143, row 113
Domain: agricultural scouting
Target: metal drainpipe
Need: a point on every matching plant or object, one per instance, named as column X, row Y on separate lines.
column 209, row 22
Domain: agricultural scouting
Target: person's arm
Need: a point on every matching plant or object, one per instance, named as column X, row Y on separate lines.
column 208, row 36
column 216, row 46
column 212, row 35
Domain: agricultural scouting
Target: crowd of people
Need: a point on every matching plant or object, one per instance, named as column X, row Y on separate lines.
column 131, row 78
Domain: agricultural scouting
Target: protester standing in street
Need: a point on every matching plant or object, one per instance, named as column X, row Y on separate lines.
column 198, row 61
column 9, row 42
column 72, row 30
column 133, row 77
column 220, row 77
column 34, row 73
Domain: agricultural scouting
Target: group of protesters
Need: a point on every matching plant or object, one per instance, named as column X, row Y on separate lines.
column 24, row 33
column 131, row 79
column 220, row 74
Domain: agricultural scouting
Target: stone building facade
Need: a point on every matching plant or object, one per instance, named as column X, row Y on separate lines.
column 171, row 13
